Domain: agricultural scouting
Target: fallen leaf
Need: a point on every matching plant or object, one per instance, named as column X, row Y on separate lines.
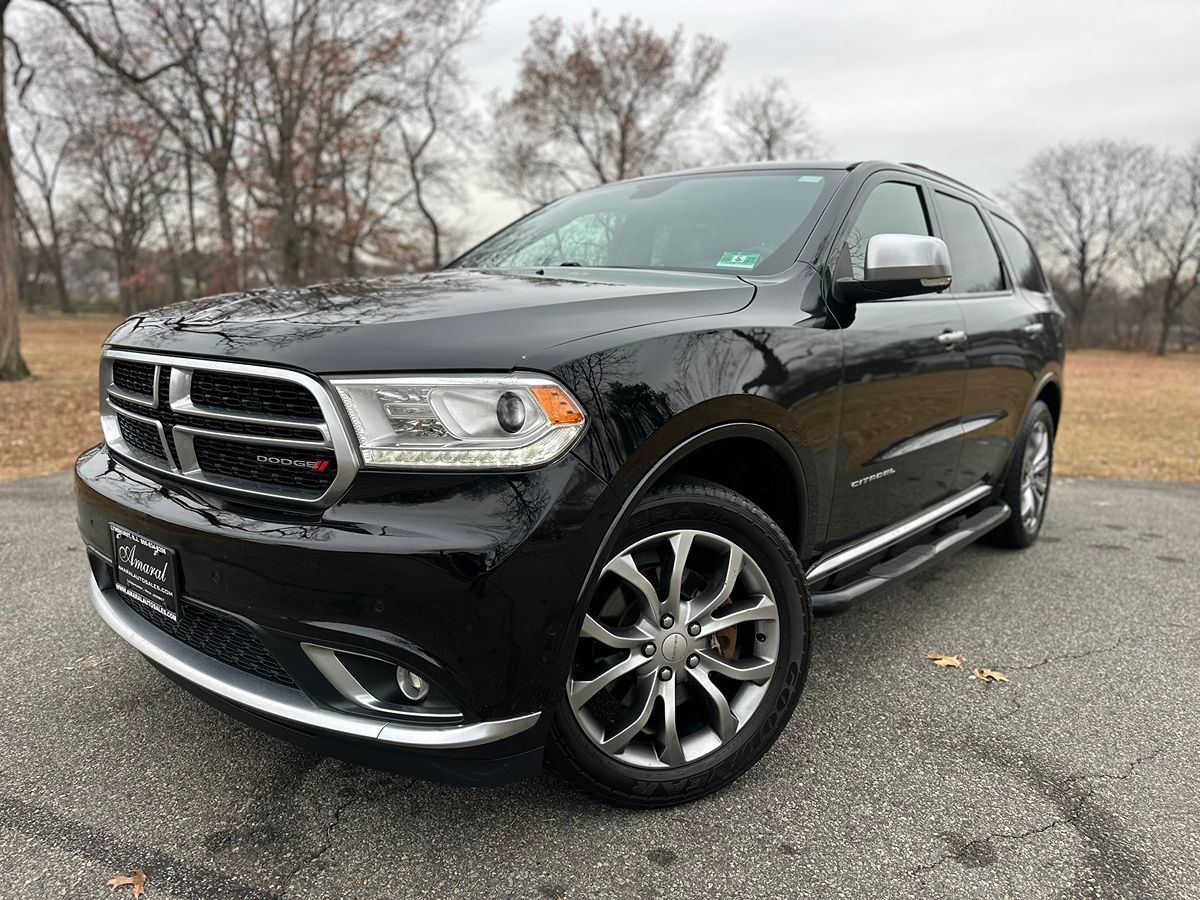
column 137, row 880
column 988, row 675
column 942, row 661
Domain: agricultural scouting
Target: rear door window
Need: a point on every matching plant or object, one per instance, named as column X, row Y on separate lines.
column 973, row 261
column 1026, row 270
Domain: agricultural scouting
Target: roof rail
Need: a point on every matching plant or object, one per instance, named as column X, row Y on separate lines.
column 945, row 177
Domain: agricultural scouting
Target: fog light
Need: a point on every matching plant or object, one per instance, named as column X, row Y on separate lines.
column 510, row 412
column 412, row 685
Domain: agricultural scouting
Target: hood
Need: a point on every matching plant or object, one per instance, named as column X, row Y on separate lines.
column 457, row 319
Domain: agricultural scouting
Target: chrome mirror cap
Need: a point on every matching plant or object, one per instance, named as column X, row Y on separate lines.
column 907, row 258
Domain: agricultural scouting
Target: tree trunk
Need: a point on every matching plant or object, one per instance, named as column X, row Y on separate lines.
column 286, row 228
column 56, row 262
column 1168, row 318
column 126, row 291
column 226, row 276
column 12, row 366
column 193, row 240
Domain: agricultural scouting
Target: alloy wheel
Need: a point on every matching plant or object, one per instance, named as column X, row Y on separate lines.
column 1035, row 476
column 677, row 649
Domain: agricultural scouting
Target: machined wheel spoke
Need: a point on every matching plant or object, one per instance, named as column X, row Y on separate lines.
column 1027, row 502
column 753, row 669
column 681, row 546
column 672, row 749
column 617, row 638
column 718, row 593
column 647, row 678
column 641, row 708
column 626, row 569
column 582, row 691
column 758, row 609
column 724, row 722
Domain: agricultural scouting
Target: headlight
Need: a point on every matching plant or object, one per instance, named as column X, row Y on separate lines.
column 461, row 421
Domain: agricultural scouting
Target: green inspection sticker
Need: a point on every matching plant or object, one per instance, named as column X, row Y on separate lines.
column 738, row 260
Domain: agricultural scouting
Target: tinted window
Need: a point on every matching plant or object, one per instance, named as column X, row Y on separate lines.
column 1027, row 273
column 738, row 222
column 891, row 208
column 973, row 258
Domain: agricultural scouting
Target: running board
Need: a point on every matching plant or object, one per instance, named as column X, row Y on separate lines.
column 894, row 570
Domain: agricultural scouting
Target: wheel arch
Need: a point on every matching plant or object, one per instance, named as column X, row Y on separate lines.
column 1050, row 393
column 749, row 456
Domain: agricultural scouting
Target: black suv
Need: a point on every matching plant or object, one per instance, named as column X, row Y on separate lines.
column 581, row 491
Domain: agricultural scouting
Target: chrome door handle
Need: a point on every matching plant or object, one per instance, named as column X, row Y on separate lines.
column 952, row 338
column 1035, row 328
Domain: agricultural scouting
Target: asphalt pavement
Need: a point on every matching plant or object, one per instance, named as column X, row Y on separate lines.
column 1080, row 777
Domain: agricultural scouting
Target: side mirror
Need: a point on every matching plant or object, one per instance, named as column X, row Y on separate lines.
column 898, row 265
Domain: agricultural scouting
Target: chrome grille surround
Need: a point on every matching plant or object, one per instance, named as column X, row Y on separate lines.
column 183, row 463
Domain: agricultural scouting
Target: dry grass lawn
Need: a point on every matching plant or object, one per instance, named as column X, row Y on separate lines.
column 47, row 420
column 1126, row 415
column 1129, row 415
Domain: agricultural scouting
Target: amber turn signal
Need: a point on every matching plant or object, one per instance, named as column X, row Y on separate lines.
column 558, row 407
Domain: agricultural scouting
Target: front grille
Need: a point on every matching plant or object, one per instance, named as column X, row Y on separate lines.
column 134, row 377
column 224, row 425
column 234, row 460
column 170, row 418
column 142, row 436
column 221, row 637
column 248, row 394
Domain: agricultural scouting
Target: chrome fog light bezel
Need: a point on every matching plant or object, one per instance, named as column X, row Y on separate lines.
column 330, row 663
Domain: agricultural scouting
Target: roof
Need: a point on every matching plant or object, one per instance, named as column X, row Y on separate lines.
column 916, row 168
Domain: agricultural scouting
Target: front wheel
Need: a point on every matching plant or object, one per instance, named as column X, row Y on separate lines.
column 692, row 653
column 1026, row 487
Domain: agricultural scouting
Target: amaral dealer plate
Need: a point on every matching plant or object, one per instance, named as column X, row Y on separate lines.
column 146, row 572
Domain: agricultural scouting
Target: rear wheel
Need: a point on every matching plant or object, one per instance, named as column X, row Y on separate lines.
column 1026, row 487
column 692, row 653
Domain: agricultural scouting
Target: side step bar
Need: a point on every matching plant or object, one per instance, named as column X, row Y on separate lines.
column 894, row 570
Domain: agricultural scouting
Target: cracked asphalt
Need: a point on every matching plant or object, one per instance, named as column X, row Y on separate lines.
column 1079, row 778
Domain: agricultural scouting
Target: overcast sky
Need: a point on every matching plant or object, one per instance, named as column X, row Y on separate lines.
column 972, row 87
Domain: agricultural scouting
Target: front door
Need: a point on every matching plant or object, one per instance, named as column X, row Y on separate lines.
column 904, row 378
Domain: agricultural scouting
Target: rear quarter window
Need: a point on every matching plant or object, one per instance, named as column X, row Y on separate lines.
column 1027, row 271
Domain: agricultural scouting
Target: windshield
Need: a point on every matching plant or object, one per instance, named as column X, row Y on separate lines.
column 748, row 223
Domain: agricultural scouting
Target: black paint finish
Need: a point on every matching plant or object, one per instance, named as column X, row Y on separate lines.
column 477, row 578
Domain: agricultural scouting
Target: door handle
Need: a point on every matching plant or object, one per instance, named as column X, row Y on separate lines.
column 950, row 339
column 1035, row 328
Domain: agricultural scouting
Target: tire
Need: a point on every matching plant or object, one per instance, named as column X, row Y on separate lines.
column 612, row 734
column 1032, row 459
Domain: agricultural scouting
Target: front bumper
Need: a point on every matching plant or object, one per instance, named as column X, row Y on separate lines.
column 439, row 574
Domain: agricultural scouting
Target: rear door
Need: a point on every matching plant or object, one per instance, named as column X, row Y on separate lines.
column 1001, row 349
column 905, row 375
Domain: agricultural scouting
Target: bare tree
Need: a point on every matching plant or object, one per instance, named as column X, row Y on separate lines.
column 123, row 166
column 1166, row 253
column 1083, row 204
column 47, row 144
column 432, row 125
column 73, row 15
column 321, row 71
column 200, row 99
column 766, row 123
column 597, row 104
column 12, row 365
